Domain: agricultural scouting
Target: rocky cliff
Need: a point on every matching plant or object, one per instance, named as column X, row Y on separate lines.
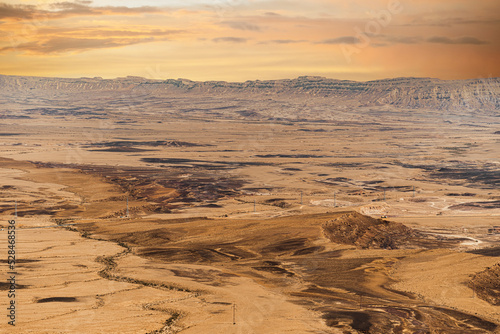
column 404, row 93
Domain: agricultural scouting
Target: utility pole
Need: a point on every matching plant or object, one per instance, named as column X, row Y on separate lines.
column 301, row 198
column 127, row 208
column 234, row 314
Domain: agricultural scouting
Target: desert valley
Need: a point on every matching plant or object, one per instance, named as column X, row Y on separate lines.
column 308, row 205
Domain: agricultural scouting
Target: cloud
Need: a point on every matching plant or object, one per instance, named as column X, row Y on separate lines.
column 230, row 39
column 449, row 22
column 341, row 40
column 68, row 44
column 282, row 41
column 387, row 40
column 460, row 40
column 67, row 9
column 72, row 7
column 16, row 11
column 285, row 41
column 99, row 32
column 241, row 25
column 47, row 38
column 403, row 39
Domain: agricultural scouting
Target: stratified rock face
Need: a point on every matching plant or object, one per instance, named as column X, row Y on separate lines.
column 487, row 284
column 366, row 232
column 405, row 93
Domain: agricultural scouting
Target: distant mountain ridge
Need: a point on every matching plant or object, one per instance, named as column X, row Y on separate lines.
column 406, row 93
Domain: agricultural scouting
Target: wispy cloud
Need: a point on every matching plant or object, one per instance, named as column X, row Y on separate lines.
column 67, row 44
column 460, row 40
column 402, row 39
column 230, row 39
column 423, row 21
column 16, row 11
column 68, row 9
column 241, row 25
column 388, row 40
column 282, row 41
column 341, row 40
column 103, row 32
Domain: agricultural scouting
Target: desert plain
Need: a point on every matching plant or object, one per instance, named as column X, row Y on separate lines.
column 301, row 206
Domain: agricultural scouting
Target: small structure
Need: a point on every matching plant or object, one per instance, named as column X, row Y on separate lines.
column 494, row 230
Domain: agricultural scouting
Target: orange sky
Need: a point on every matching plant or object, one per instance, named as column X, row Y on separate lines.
column 238, row 40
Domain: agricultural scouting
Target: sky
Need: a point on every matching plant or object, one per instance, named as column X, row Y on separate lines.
column 239, row 40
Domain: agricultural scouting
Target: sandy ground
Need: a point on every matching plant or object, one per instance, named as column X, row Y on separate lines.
column 287, row 176
column 56, row 263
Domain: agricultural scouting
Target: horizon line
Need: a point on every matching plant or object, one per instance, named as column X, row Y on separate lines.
column 250, row 80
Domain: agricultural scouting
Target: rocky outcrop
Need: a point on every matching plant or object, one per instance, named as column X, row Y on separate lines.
column 486, row 284
column 365, row 232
